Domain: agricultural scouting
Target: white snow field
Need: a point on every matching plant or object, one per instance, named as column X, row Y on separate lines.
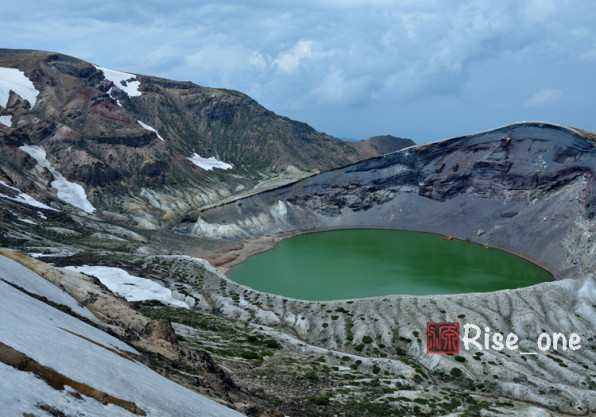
column 69, row 192
column 86, row 355
column 16, row 80
column 208, row 163
column 128, row 286
column 149, row 128
column 31, row 282
column 124, row 81
column 6, row 120
column 25, row 198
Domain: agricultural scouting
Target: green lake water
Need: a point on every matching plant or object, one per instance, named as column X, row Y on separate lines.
column 349, row 264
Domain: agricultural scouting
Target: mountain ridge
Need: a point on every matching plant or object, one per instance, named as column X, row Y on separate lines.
column 114, row 132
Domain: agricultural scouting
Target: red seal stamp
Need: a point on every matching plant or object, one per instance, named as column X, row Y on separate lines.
column 442, row 338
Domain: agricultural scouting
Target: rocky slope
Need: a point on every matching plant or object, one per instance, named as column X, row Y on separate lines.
column 143, row 144
column 57, row 353
column 368, row 356
column 527, row 188
column 381, row 145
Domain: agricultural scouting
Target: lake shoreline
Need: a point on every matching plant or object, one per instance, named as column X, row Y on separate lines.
column 226, row 258
column 399, row 262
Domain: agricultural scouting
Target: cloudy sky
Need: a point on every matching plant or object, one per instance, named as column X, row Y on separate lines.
column 424, row 69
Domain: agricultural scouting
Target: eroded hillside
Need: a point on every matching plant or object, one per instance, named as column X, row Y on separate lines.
column 144, row 149
column 527, row 188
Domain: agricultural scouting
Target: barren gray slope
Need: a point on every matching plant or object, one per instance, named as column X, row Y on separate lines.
column 527, row 188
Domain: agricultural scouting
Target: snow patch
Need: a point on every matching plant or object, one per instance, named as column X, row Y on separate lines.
column 123, row 80
column 208, row 163
column 21, row 219
column 25, row 390
column 9, row 186
column 26, row 221
column 149, row 128
column 69, row 192
column 130, row 287
column 25, row 199
column 17, row 274
column 6, row 120
column 36, row 330
column 16, row 80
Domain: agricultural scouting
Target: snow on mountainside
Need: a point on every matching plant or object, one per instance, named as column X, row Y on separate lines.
column 69, row 192
column 15, row 273
column 124, row 81
column 56, row 362
column 149, row 128
column 208, row 163
column 24, row 198
column 15, row 80
column 6, row 120
column 130, row 287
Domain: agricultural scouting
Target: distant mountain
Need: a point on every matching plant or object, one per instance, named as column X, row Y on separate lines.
column 381, row 145
column 135, row 139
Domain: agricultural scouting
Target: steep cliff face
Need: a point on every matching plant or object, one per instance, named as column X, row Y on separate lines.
column 528, row 188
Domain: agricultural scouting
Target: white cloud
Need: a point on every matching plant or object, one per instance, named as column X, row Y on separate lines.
column 257, row 60
column 219, row 58
column 589, row 56
column 288, row 61
column 165, row 56
column 545, row 97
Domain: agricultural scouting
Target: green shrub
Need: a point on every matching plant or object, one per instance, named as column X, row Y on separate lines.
column 272, row 344
column 311, row 376
column 249, row 354
column 322, row 400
